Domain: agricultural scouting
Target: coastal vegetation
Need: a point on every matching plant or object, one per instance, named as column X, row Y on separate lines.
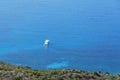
column 12, row 72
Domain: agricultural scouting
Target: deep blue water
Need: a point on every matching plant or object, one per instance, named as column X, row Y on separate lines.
column 83, row 34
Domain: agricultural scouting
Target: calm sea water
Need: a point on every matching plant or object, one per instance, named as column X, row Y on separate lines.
column 83, row 34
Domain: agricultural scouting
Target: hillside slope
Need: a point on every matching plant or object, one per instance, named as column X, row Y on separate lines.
column 12, row 72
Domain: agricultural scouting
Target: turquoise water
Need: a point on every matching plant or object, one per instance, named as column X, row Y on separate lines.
column 83, row 34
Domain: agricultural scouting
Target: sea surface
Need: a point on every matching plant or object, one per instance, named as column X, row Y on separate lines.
column 83, row 34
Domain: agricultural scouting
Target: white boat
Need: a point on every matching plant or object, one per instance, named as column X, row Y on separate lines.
column 46, row 42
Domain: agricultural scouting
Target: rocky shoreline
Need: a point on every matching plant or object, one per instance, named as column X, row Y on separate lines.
column 12, row 72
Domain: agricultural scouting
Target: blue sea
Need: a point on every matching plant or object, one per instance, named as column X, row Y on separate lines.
column 83, row 34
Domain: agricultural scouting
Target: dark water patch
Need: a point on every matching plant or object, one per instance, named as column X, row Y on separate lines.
column 91, row 59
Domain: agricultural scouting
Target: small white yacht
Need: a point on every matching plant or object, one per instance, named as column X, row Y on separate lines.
column 46, row 42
